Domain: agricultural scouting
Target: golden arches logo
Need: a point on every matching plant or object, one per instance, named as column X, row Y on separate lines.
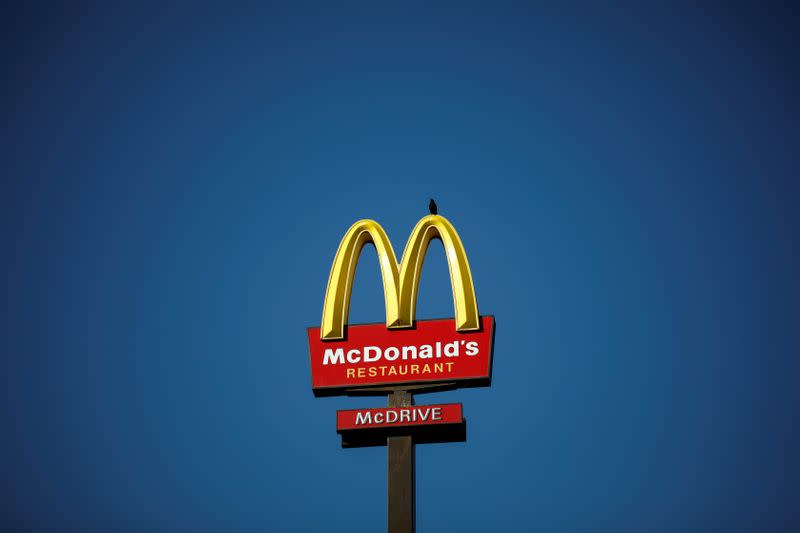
column 400, row 281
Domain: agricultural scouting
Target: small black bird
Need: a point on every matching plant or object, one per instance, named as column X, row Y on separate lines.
column 432, row 207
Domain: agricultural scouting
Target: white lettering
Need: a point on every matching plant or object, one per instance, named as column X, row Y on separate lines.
column 372, row 354
column 451, row 349
column 353, row 356
column 412, row 350
column 371, row 350
column 395, row 353
column 333, row 358
column 363, row 418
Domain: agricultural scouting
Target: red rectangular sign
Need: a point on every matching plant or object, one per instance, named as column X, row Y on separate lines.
column 372, row 355
column 386, row 417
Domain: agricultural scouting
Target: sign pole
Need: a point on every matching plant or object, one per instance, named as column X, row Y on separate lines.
column 401, row 473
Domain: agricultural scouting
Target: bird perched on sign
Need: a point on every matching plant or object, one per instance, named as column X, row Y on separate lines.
column 432, row 207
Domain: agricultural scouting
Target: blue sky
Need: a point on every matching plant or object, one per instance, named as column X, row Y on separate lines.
column 175, row 181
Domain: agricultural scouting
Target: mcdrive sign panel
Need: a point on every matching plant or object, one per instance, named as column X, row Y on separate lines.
column 372, row 355
column 412, row 415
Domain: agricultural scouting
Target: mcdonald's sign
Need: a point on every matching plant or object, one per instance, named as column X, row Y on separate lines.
column 347, row 357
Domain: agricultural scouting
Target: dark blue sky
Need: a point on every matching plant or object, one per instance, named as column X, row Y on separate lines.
column 175, row 181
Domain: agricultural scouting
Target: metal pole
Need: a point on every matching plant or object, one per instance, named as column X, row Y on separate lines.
column 401, row 474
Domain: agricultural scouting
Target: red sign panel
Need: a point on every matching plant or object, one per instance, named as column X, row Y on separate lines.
column 372, row 355
column 386, row 417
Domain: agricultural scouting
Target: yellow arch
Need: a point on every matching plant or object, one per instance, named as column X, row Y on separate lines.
column 400, row 282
